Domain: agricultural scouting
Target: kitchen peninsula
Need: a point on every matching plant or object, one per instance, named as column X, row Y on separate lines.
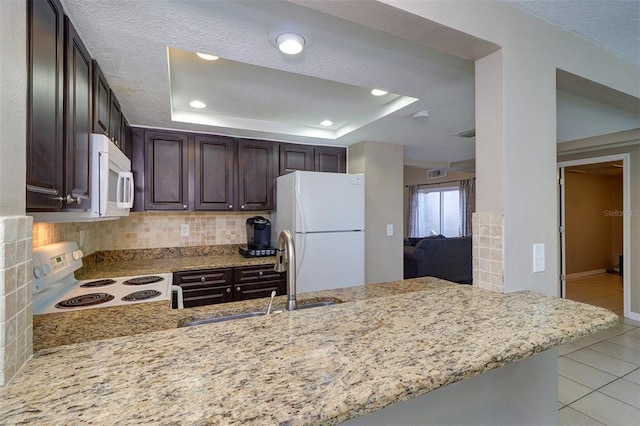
column 387, row 343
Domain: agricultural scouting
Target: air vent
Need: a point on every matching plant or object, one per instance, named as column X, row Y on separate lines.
column 436, row 173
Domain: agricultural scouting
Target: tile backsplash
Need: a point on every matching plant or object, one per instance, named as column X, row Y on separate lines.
column 16, row 312
column 149, row 230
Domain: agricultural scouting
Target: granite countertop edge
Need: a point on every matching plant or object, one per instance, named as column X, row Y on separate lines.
column 367, row 353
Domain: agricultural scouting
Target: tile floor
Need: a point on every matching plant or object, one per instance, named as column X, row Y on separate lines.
column 599, row 375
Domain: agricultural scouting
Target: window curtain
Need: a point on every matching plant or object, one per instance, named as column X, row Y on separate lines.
column 412, row 219
column 467, row 205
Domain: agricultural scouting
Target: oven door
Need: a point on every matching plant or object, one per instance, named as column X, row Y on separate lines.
column 116, row 183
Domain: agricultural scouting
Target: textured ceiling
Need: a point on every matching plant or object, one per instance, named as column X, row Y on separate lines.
column 613, row 25
column 129, row 39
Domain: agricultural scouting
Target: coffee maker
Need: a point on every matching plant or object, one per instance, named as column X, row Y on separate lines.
column 258, row 238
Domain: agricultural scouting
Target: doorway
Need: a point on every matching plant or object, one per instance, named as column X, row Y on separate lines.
column 594, row 231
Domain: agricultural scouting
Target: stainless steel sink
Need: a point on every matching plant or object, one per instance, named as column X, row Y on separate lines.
column 252, row 314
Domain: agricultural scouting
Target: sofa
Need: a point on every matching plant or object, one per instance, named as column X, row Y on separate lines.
column 441, row 257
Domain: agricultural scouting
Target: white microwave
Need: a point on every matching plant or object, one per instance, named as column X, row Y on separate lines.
column 111, row 186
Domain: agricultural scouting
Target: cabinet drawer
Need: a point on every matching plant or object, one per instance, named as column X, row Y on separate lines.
column 203, row 278
column 260, row 273
column 206, row 296
column 258, row 290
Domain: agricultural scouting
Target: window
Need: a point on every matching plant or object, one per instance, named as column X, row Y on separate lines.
column 439, row 212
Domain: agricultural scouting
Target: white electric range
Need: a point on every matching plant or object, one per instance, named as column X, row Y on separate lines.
column 55, row 288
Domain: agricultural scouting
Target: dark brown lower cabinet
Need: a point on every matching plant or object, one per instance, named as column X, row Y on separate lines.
column 254, row 282
column 211, row 286
column 205, row 287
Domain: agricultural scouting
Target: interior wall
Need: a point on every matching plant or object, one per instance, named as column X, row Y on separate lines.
column 617, row 223
column 532, row 51
column 634, row 207
column 382, row 165
column 590, row 221
column 418, row 176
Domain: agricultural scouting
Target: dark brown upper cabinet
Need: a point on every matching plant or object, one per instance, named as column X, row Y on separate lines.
column 166, row 171
column 295, row 157
column 101, row 101
column 115, row 120
column 45, row 144
column 256, row 173
column 330, row 159
column 78, row 122
column 127, row 136
column 214, row 172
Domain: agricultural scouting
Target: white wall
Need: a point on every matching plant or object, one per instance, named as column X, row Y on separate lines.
column 381, row 164
column 13, row 106
column 531, row 52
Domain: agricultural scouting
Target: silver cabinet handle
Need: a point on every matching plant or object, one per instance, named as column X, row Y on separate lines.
column 261, row 273
column 242, row 207
column 228, row 290
column 230, row 206
column 203, row 279
column 238, row 289
column 184, row 206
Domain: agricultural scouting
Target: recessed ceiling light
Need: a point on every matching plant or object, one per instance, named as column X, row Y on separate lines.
column 207, row 57
column 326, row 123
column 290, row 43
column 197, row 104
column 378, row 92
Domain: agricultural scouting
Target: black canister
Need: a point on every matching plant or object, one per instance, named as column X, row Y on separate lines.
column 258, row 233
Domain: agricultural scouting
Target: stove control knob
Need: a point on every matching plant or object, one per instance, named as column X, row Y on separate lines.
column 38, row 272
column 77, row 254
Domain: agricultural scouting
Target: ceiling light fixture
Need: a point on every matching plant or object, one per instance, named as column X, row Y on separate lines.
column 207, row 57
column 326, row 123
column 290, row 43
column 197, row 104
column 378, row 92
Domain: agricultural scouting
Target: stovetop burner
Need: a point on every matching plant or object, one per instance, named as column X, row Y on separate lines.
column 141, row 295
column 99, row 283
column 150, row 279
column 85, row 300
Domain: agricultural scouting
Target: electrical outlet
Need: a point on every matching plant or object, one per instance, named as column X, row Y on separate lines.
column 390, row 230
column 184, row 230
column 81, row 238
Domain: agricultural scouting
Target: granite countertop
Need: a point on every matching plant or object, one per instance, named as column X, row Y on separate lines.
column 315, row 366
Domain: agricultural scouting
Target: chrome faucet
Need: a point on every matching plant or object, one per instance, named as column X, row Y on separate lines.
column 286, row 261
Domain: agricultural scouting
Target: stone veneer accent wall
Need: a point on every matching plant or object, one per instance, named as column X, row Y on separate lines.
column 487, row 251
column 149, row 230
column 16, row 309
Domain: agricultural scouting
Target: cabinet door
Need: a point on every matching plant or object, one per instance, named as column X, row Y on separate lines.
column 166, row 171
column 115, row 120
column 330, row 159
column 255, row 174
column 77, row 118
column 205, row 287
column 295, row 157
column 253, row 282
column 127, row 137
column 101, row 102
column 45, row 172
column 214, row 157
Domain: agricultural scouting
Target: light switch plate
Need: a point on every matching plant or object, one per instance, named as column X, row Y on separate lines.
column 538, row 258
column 390, row 230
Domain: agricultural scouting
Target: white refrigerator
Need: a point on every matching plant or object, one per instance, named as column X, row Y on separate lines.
column 325, row 214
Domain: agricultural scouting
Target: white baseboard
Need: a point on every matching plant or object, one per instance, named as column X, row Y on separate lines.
column 587, row 273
